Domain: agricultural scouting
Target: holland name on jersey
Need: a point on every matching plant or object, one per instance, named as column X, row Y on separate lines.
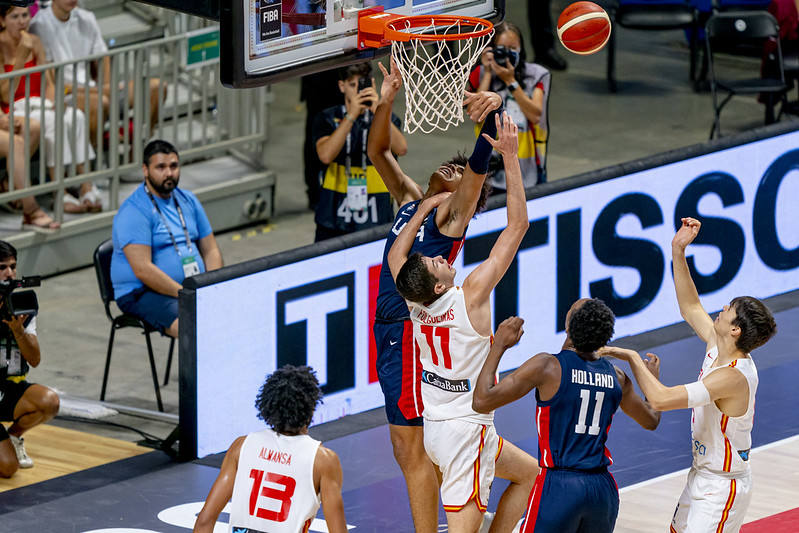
column 595, row 379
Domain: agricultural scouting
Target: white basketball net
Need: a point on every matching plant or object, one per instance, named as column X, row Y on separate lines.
column 435, row 75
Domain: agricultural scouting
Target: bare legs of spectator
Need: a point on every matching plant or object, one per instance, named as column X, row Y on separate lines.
column 32, row 214
column 37, row 405
column 172, row 330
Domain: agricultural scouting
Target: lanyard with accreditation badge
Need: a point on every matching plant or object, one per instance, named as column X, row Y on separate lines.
column 189, row 263
column 357, row 199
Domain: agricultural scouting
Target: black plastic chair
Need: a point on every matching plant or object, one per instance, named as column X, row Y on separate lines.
column 651, row 15
column 725, row 31
column 102, row 267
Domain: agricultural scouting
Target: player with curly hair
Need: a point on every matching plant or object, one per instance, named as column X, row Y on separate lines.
column 278, row 477
column 577, row 394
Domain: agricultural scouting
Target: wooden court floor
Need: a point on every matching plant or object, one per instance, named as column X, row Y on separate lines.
column 58, row 451
column 649, row 505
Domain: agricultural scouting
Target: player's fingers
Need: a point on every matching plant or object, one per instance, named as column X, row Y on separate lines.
column 383, row 69
column 491, row 141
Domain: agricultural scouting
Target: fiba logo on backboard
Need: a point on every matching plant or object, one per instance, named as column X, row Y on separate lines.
column 269, row 19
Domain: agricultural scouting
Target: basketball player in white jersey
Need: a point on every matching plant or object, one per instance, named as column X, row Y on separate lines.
column 277, row 477
column 452, row 332
column 718, row 490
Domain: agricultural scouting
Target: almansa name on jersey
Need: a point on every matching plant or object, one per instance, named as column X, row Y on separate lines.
column 594, row 379
column 274, row 456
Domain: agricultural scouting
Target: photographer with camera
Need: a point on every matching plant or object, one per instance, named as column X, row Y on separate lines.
column 353, row 196
column 524, row 88
column 24, row 404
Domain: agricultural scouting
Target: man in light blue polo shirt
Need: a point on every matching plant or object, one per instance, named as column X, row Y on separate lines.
column 161, row 236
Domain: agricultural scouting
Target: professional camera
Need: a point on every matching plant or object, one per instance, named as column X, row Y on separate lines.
column 503, row 53
column 19, row 302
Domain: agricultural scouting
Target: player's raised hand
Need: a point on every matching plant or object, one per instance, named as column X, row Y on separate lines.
column 686, row 234
column 507, row 141
column 622, row 354
column 391, row 81
column 652, row 363
column 480, row 104
column 509, row 332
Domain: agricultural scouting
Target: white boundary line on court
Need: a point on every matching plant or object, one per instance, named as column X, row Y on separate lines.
column 685, row 470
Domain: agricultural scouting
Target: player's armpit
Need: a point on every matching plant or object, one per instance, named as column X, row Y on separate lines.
column 221, row 491
column 728, row 385
column 327, row 470
column 634, row 406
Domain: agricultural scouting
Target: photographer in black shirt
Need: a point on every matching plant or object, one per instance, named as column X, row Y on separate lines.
column 24, row 404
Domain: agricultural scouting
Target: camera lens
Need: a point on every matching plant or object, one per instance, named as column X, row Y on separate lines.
column 500, row 55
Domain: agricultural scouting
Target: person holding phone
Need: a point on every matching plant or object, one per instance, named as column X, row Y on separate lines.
column 353, row 196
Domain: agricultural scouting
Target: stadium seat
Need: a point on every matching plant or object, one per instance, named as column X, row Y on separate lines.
column 728, row 30
column 102, row 267
column 652, row 15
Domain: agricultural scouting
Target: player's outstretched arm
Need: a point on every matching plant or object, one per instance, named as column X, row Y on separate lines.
column 221, row 491
column 455, row 214
column 327, row 469
column 398, row 254
column 402, row 188
column 488, row 395
column 687, row 296
column 723, row 383
column 633, row 405
column 482, row 280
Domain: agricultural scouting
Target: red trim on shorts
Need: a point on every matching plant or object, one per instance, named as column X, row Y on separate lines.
column 499, row 449
column 534, row 502
column 542, row 421
column 671, row 529
column 307, row 525
column 607, row 452
column 374, row 288
column 725, row 514
column 410, row 400
column 456, row 248
column 475, row 495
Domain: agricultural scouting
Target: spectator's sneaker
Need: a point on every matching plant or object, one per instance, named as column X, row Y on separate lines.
column 23, row 458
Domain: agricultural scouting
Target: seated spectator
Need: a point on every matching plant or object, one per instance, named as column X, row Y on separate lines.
column 161, row 236
column 23, row 50
column 353, row 196
column 524, row 88
column 33, row 216
column 24, row 404
column 70, row 33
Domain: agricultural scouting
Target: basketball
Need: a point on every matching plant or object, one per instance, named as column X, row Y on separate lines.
column 583, row 28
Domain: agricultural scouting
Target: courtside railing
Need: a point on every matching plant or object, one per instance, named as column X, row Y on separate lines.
column 157, row 89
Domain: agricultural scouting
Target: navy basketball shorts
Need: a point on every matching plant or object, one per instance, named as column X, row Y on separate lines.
column 399, row 372
column 569, row 501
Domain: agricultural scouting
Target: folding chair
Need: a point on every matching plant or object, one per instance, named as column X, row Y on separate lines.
column 102, row 267
column 652, row 15
column 730, row 29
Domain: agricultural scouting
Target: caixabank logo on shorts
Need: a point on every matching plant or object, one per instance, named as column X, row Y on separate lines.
column 449, row 385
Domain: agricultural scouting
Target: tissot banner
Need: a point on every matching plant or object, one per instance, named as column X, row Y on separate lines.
column 610, row 239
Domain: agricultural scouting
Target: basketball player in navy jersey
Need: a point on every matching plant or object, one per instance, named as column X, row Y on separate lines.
column 442, row 234
column 577, row 393
column 278, row 476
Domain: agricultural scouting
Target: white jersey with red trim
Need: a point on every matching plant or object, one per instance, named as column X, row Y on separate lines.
column 452, row 354
column 721, row 443
column 274, row 488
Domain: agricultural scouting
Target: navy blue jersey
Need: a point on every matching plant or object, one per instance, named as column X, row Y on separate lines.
column 429, row 242
column 573, row 426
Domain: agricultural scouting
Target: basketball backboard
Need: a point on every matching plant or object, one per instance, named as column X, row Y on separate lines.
column 264, row 41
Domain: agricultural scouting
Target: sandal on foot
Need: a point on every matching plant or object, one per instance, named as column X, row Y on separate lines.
column 39, row 221
column 91, row 200
column 72, row 205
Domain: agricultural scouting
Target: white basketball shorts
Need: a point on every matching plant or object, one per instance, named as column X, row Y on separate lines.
column 710, row 504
